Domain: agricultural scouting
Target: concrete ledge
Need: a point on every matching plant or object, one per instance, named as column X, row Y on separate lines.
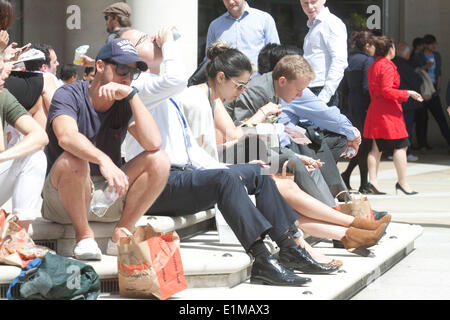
column 61, row 238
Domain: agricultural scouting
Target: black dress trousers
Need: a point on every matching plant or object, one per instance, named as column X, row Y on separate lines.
column 191, row 191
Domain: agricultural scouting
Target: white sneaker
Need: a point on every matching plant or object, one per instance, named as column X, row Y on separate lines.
column 412, row 158
column 87, row 249
column 111, row 250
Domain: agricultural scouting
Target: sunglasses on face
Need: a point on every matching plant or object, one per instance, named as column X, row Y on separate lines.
column 240, row 86
column 123, row 70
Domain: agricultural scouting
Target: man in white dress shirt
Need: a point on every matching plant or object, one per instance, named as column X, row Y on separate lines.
column 325, row 48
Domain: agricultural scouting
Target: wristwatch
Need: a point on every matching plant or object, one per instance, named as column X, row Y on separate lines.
column 131, row 95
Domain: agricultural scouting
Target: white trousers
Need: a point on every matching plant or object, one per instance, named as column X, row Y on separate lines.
column 22, row 180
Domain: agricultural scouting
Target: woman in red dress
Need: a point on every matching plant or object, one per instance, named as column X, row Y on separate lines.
column 384, row 122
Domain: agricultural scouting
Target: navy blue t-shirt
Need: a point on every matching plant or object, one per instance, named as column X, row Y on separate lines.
column 105, row 130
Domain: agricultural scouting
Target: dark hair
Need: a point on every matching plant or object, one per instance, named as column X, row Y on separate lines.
column 429, row 39
column 417, row 42
column 88, row 70
column 230, row 61
column 382, row 45
column 35, row 65
column 264, row 55
column 272, row 53
column 358, row 40
column 68, row 71
column 7, row 16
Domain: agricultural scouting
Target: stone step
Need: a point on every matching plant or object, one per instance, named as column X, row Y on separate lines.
column 217, row 271
column 61, row 238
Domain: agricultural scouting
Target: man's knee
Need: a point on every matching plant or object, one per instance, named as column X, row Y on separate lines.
column 157, row 163
column 67, row 165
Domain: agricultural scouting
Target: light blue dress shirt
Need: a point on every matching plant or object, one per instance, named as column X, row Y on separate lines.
column 249, row 33
column 310, row 107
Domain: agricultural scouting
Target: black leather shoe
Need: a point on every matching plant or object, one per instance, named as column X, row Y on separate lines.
column 297, row 258
column 269, row 271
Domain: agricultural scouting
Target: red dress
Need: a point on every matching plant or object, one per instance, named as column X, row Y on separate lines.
column 384, row 118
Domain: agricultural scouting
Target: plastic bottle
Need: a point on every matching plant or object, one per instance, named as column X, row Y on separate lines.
column 101, row 201
column 176, row 34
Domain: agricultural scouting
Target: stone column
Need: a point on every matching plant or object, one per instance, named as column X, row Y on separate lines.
column 150, row 16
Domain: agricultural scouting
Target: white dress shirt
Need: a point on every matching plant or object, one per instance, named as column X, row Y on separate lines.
column 325, row 48
column 156, row 91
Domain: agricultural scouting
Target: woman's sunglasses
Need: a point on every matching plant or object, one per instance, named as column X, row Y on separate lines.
column 240, row 86
column 123, row 69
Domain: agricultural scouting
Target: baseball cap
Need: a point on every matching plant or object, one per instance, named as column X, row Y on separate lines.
column 121, row 51
column 119, row 8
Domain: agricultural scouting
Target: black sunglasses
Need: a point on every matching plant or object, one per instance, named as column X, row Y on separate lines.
column 123, row 69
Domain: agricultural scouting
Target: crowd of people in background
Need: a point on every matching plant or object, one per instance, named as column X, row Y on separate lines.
column 175, row 144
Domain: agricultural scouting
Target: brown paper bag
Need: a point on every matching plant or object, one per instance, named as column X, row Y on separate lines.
column 357, row 207
column 149, row 264
column 16, row 246
column 284, row 174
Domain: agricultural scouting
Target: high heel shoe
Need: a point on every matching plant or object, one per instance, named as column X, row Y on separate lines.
column 399, row 187
column 370, row 189
column 357, row 240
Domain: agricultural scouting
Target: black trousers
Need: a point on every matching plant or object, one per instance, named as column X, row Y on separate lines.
column 190, row 191
column 434, row 106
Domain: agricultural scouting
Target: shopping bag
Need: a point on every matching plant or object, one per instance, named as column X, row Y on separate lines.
column 284, row 174
column 149, row 264
column 16, row 246
column 356, row 206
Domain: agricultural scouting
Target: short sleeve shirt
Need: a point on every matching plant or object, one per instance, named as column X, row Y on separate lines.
column 106, row 130
column 10, row 108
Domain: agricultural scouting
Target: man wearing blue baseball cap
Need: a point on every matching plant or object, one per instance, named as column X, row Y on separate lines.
column 87, row 122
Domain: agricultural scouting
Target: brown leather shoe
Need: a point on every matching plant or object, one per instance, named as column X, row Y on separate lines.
column 358, row 240
column 366, row 224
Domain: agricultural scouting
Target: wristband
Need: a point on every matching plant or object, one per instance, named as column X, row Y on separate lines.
column 265, row 115
column 131, row 95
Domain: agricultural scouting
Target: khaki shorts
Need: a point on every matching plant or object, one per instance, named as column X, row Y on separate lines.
column 53, row 210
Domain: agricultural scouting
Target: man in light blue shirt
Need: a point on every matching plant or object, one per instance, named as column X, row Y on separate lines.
column 243, row 28
column 309, row 107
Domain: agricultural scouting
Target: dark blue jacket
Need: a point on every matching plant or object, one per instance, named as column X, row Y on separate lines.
column 356, row 86
column 409, row 80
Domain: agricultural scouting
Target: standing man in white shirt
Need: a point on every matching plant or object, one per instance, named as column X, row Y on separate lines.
column 325, row 48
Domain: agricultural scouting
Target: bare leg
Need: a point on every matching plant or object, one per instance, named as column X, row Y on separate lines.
column 71, row 177
column 373, row 163
column 321, row 229
column 147, row 173
column 306, row 205
column 400, row 162
column 316, row 255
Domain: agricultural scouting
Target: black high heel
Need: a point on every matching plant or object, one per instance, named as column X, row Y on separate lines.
column 399, row 187
column 370, row 189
